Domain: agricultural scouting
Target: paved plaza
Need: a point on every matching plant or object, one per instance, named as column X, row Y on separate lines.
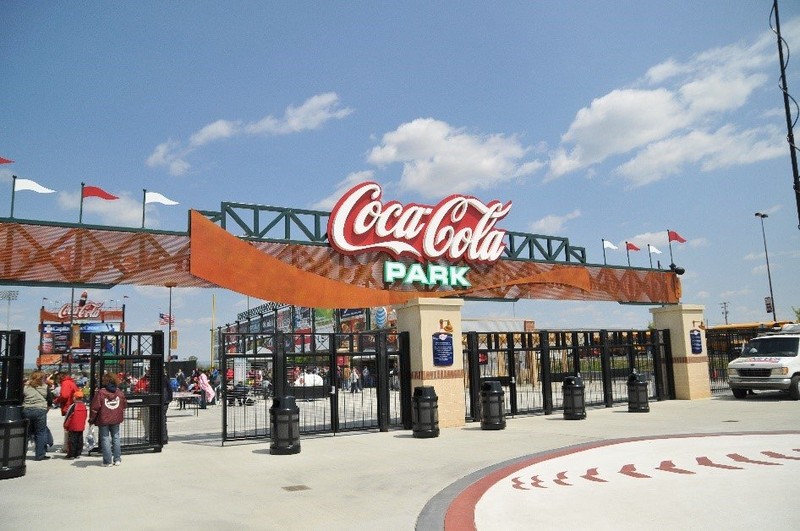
column 684, row 465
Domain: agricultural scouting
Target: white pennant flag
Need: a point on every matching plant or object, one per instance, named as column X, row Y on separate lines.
column 27, row 184
column 654, row 250
column 155, row 197
column 608, row 245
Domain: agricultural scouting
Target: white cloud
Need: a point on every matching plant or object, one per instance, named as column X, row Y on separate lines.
column 681, row 121
column 123, row 212
column 312, row 114
column 721, row 149
column 214, row 131
column 552, row 224
column 439, row 159
column 348, row 182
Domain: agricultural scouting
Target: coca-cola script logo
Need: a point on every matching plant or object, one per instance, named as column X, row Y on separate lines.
column 458, row 228
column 90, row 310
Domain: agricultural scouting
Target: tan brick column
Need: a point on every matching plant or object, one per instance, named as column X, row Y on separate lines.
column 690, row 370
column 422, row 318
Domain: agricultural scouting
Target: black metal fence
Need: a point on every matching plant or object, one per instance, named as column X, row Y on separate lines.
column 12, row 357
column 341, row 382
column 531, row 366
column 138, row 361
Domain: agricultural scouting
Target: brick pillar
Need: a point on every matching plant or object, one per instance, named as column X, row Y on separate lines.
column 689, row 368
column 423, row 319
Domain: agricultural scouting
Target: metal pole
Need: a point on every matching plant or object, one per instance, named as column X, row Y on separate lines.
column 787, row 108
column 169, row 331
column 766, row 254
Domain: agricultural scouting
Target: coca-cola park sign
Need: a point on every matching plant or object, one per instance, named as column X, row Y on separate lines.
column 458, row 228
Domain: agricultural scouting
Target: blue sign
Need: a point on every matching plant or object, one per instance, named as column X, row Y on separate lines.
column 696, row 341
column 442, row 349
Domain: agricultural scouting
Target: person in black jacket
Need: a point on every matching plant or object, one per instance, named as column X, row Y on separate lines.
column 166, row 398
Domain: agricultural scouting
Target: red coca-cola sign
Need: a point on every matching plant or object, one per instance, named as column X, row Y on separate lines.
column 458, row 228
column 90, row 310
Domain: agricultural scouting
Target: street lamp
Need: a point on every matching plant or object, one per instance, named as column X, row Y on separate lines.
column 766, row 254
column 170, row 285
column 9, row 295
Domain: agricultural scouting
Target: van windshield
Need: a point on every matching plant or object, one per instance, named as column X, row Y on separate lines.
column 777, row 347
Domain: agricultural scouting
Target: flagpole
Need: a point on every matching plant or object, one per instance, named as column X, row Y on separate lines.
column 144, row 199
column 604, row 251
column 213, row 315
column 669, row 242
column 650, row 255
column 13, row 191
column 628, row 252
column 80, row 213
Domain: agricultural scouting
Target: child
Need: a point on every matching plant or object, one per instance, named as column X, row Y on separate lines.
column 75, row 423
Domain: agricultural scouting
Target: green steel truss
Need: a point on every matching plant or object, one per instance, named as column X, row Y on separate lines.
column 308, row 227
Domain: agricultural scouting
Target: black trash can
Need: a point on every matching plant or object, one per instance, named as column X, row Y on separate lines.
column 637, row 393
column 13, row 442
column 574, row 403
column 284, row 419
column 425, row 413
column 492, row 406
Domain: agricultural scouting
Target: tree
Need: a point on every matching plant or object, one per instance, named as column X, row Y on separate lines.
column 796, row 314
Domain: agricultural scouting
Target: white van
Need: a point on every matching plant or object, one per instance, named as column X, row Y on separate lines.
column 768, row 362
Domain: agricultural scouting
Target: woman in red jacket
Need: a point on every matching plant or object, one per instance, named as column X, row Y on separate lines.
column 107, row 412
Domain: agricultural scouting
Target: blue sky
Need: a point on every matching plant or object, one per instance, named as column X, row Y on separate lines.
column 599, row 120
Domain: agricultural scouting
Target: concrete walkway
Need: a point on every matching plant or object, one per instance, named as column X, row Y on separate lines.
column 541, row 471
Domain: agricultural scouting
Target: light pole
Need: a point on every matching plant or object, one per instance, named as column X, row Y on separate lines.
column 766, row 254
column 170, row 285
column 9, row 295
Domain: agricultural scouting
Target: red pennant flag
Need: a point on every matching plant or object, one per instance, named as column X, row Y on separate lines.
column 631, row 247
column 5, row 161
column 675, row 237
column 94, row 191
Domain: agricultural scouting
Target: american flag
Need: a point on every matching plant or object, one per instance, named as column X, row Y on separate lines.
column 165, row 318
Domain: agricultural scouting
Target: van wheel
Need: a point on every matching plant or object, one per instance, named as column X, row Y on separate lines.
column 739, row 393
column 794, row 389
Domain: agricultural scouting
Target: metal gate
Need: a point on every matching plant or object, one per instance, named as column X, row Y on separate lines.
column 138, row 361
column 532, row 365
column 341, row 382
column 723, row 346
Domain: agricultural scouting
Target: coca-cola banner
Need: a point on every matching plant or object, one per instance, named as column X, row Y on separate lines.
column 458, row 228
column 90, row 311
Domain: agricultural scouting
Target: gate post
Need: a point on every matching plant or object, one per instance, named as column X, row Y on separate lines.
column 605, row 368
column 689, row 354
column 436, row 352
column 547, row 377
column 382, row 388
column 473, row 375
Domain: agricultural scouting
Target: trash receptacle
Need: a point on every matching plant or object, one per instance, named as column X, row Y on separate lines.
column 492, row 406
column 637, row 393
column 425, row 413
column 574, row 403
column 13, row 442
column 284, row 418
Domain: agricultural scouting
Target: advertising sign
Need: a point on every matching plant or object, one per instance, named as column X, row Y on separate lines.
column 458, row 228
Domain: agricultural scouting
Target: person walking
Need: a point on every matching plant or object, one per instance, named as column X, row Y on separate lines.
column 34, row 408
column 107, row 412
